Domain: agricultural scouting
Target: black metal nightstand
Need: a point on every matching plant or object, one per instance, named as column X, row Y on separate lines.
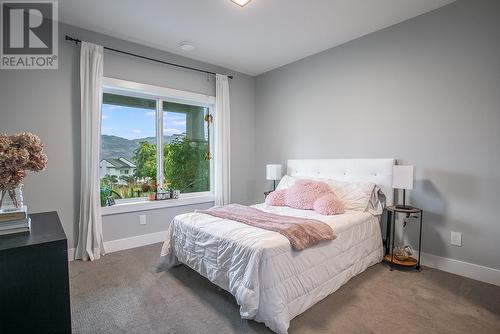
column 392, row 211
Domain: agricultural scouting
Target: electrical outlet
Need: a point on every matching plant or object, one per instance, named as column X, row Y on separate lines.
column 456, row 239
column 142, row 219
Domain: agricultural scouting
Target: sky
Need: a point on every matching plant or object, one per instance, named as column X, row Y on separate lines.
column 134, row 123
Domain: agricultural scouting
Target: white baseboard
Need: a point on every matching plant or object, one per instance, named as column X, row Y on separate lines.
column 466, row 269
column 71, row 254
column 128, row 243
column 133, row 242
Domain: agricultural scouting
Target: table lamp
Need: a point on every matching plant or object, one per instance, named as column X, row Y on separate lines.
column 402, row 178
column 273, row 172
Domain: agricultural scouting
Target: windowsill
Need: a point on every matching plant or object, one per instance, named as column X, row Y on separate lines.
column 141, row 204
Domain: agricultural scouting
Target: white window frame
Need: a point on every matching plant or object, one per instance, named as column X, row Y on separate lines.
column 160, row 94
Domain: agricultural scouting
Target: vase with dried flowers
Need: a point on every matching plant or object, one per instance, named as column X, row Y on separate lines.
column 19, row 153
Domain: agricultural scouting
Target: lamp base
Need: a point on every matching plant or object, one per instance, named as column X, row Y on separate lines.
column 404, row 206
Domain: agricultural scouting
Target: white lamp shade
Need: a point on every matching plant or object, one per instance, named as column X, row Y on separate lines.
column 402, row 177
column 273, row 172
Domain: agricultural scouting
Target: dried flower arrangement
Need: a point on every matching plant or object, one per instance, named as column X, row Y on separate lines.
column 19, row 153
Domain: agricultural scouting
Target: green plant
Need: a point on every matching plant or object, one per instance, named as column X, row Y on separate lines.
column 105, row 192
column 145, row 160
column 109, row 180
column 185, row 165
column 186, row 168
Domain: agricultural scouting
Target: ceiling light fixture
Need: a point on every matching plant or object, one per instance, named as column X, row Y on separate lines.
column 241, row 2
column 186, row 46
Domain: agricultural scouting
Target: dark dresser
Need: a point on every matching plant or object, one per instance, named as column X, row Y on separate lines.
column 34, row 281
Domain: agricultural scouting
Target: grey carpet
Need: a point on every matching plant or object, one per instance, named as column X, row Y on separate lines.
column 123, row 293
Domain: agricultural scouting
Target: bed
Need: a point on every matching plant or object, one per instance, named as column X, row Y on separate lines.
column 271, row 281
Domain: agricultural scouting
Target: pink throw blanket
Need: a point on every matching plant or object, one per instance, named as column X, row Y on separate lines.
column 301, row 232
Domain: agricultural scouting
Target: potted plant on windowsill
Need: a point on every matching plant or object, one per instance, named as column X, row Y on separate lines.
column 149, row 188
column 151, row 195
column 163, row 192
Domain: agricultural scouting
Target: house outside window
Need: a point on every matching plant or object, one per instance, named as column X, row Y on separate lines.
column 153, row 137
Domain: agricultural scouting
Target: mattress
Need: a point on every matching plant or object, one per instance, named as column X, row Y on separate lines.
column 272, row 282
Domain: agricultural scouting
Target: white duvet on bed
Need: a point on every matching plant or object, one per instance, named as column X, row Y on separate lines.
column 272, row 282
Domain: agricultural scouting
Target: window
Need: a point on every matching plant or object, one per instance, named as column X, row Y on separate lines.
column 185, row 162
column 126, row 124
column 151, row 141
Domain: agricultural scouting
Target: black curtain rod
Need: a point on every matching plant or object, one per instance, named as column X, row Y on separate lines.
column 69, row 38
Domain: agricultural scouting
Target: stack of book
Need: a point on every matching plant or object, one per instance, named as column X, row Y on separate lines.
column 15, row 221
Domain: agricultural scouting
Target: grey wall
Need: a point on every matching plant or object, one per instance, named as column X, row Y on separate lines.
column 46, row 102
column 427, row 92
column 125, row 225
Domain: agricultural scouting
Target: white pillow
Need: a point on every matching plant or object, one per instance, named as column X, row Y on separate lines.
column 286, row 182
column 355, row 195
column 376, row 204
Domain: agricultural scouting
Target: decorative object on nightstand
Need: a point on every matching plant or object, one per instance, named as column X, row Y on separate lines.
column 402, row 255
column 273, row 172
column 19, row 153
column 402, row 178
column 15, row 221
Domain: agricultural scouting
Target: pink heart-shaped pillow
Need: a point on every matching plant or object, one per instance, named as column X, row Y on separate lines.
column 277, row 198
column 329, row 204
column 304, row 193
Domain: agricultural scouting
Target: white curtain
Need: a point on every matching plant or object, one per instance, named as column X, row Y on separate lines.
column 222, row 176
column 90, row 242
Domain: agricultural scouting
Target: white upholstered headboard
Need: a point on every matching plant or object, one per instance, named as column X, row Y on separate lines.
column 378, row 171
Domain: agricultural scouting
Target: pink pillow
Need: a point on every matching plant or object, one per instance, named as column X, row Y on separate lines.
column 277, row 198
column 329, row 204
column 304, row 193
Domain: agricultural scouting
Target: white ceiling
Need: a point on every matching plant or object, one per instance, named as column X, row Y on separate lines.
column 254, row 39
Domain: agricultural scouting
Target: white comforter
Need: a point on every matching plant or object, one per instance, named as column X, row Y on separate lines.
column 272, row 282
